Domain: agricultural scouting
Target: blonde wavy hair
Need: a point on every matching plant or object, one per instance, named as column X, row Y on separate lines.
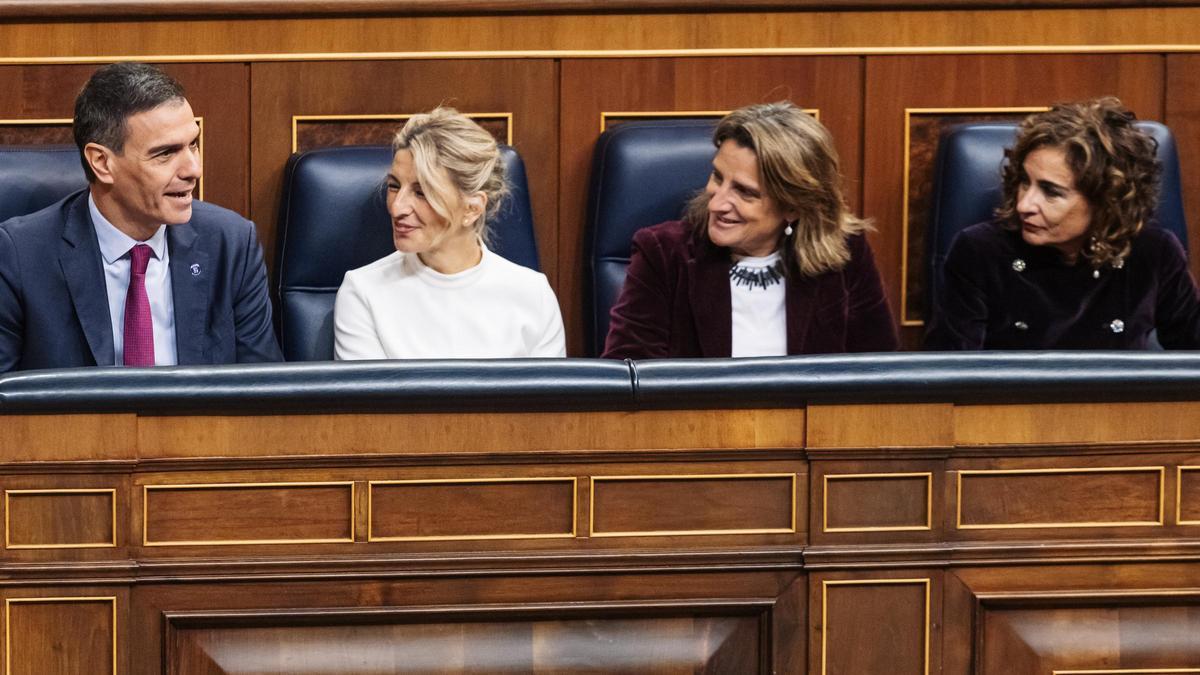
column 799, row 169
column 1115, row 166
column 454, row 158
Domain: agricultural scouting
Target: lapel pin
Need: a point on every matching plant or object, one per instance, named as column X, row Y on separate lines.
column 195, row 269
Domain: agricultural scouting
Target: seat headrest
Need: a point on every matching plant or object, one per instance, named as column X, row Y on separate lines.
column 33, row 177
column 333, row 218
column 643, row 173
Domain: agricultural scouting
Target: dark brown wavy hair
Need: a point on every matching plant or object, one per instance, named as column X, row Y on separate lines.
column 799, row 168
column 1114, row 164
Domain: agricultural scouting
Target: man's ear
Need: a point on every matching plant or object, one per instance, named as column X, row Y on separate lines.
column 476, row 205
column 100, row 159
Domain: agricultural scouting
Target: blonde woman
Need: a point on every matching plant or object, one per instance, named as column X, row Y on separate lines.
column 443, row 294
column 767, row 261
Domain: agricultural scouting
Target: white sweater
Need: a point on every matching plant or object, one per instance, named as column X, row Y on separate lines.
column 397, row 308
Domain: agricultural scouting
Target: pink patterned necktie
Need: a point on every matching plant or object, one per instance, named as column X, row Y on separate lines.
column 139, row 331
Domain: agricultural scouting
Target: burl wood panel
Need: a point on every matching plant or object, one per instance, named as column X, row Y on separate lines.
column 693, row 505
column 877, row 502
column 472, row 509
column 874, row 626
column 67, row 636
column 666, row 645
column 1149, row 636
column 60, row 518
column 894, row 83
column 830, row 84
column 1019, row 498
column 526, row 88
column 242, row 514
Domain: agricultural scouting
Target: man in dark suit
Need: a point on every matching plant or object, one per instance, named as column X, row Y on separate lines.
column 132, row 271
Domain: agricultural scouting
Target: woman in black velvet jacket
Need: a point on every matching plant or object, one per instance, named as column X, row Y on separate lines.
column 1069, row 262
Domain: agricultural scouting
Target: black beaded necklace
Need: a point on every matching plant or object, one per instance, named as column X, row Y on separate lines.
column 757, row 277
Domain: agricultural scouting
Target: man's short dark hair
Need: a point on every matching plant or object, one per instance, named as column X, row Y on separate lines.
column 113, row 94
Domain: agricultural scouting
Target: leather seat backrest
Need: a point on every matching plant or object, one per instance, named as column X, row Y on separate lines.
column 33, row 177
column 643, row 173
column 967, row 186
column 333, row 218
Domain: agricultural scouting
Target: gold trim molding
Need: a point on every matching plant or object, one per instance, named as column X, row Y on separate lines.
column 1179, row 495
column 112, row 492
column 927, row 475
column 868, row 582
column 1161, row 470
column 234, row 486
column 572, row 480
column 9, row 602
column 398, row 117
column 688, row 533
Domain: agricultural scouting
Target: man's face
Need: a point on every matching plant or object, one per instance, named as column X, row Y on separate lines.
column 153, row 177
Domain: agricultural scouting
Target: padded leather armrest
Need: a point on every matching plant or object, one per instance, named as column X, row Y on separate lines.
column 359, row 386
column 914, row 377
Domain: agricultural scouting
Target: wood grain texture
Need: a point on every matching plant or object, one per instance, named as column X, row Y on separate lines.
column 433, row 434
column 894, row 84
column 527, row 89
column 82, row 437
column 60, row 636
column 937, row 29
column 1182, row 114
column 872, row 625
column 692, row 505
column 832, row 85
column 1064, row 423
column 52, row 519
column 150, row 8
column 892, row 425
column 473, row 509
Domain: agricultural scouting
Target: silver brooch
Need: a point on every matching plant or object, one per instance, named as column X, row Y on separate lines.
column 1018, row 265
column 1021, row 325
column 1117, row 326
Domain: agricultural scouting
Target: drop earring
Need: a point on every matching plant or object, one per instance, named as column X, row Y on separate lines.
column 789, row 230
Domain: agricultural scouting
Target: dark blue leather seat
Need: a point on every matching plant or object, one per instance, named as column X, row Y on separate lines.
column 967, row 186
column 643, row 173
column 333, row 218
column 33, row 177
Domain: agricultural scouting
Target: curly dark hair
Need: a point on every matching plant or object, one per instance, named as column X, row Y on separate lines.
column 1115, row 168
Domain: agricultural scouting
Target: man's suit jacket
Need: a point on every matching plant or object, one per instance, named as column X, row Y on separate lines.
column 54, row 304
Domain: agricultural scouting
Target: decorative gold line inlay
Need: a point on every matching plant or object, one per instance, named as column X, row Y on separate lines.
column 572, row 480
column 235, row 486
column 866, row 582
column 1128, row 671
column 927, row 475
column 1179, row 495
column 693, row 533
column 9, row 602
column 54, row 491
column 398, row 117
column 908, row 114
column 1162, row 471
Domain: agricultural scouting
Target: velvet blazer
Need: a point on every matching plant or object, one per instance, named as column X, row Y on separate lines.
column 54, row 302
column 676, row 302
column 1002, row 293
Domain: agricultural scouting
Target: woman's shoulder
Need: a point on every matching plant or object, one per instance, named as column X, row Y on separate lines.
column 378, row 271
column 670, row 234
column 506, row 271
column 1156, row 241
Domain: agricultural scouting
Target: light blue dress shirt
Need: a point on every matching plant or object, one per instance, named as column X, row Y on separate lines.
column 115, row 246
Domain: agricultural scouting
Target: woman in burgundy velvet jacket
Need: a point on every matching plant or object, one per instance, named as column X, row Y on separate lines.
column 767, row 261
column 1069, row 263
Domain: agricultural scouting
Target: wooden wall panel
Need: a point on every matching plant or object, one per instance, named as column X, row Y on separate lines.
column 830, row 84
column 60, row 518
column 472, row 509
column 874, row 625
column 1182, row 114
column 895, row 83
column 696, row 504
column 526, row 88
column 61, row 635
